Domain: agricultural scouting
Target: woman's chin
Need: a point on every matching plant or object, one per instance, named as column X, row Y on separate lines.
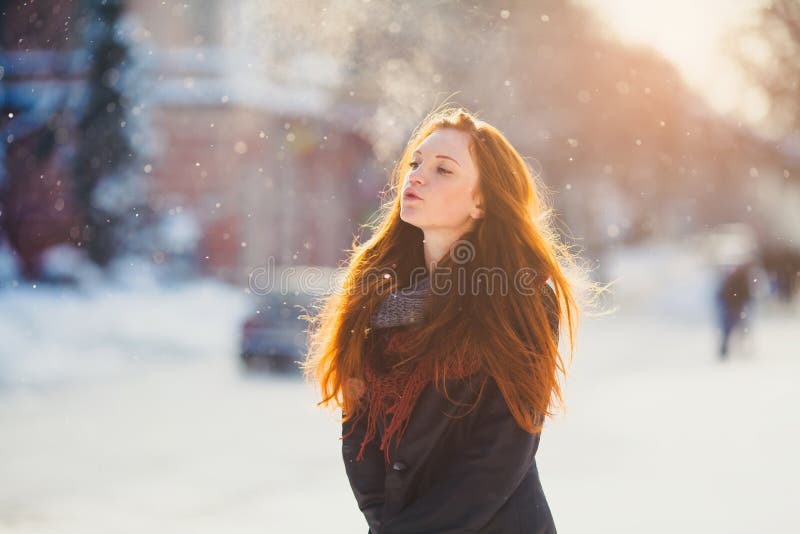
column 407, row 215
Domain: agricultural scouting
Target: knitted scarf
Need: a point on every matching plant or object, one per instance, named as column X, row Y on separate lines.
column 394, row 379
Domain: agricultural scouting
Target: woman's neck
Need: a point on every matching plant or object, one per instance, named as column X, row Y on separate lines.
column 436, row 244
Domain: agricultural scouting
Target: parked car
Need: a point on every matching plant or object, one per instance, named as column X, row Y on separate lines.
column 273, row 336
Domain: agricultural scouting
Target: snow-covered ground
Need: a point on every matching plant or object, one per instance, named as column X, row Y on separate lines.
column 125, row 410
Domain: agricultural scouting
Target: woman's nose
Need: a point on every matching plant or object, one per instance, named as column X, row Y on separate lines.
column 416, row 178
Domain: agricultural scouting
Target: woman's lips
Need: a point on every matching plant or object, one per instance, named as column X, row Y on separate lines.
column 411, row 196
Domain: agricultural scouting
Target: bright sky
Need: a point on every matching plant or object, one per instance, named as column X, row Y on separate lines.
column 688, row 32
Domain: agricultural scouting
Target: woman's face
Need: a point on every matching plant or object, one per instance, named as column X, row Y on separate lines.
column 444, row 176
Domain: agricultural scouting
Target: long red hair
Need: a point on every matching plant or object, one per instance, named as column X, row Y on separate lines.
column 507, row 331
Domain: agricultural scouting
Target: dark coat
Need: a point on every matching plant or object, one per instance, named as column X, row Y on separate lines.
column 474, row 474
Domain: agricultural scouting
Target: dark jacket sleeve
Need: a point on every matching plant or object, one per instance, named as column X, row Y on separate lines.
column 481, row 477
column 367, row 476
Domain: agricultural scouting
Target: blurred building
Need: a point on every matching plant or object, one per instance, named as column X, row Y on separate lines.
column 39, row 73
column 264, row 169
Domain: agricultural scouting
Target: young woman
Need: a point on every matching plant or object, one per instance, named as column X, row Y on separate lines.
column 441, row 346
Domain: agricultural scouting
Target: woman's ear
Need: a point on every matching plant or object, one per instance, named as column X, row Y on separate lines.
column 477, row 212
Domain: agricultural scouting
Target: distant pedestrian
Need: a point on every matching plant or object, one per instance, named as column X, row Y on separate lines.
column 734, row 298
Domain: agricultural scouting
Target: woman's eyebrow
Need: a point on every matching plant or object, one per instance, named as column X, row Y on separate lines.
column 440, row 156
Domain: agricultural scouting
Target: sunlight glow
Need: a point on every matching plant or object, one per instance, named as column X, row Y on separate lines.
column 688, row 33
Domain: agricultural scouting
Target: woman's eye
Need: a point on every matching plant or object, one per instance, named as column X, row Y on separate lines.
column 442, row 170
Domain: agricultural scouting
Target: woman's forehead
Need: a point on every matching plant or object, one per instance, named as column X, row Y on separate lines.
column 446, row 137
column 448, row 142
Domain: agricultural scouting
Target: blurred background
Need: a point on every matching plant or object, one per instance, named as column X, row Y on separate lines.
column 161, row 161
